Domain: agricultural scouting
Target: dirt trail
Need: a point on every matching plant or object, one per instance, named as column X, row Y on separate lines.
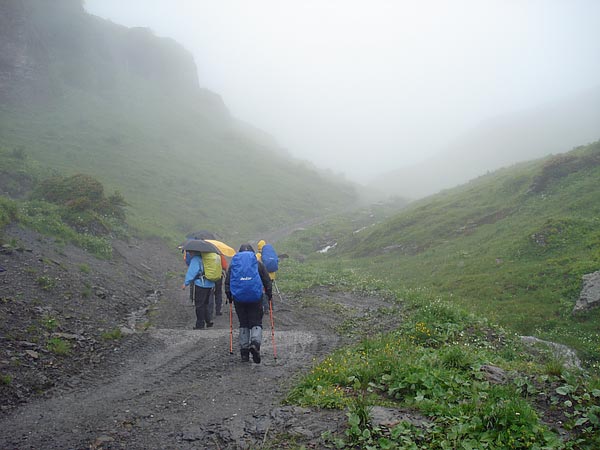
column 174, row 387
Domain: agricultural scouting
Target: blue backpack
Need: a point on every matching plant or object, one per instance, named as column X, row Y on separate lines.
column 244, row 280
column 269, row 258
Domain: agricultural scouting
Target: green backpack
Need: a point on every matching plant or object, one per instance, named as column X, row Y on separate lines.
column 212, row 266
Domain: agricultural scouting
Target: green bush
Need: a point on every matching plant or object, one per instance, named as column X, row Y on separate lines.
column 78, row 191
column 83, row 204
column 8, row 211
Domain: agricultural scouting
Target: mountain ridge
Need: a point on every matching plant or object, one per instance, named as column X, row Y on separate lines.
column 501, row 141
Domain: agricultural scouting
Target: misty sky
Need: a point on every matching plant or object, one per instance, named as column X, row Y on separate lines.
column 363, row 87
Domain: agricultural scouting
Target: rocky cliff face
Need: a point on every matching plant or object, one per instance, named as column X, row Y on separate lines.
column 49, row 47
column 18, row 69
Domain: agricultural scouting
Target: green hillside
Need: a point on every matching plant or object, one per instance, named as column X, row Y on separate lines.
column 511, row 246
column 83, row 95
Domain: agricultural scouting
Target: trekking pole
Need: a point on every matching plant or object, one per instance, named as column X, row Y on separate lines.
column 230, row 329
column 272, row 328
column 278, row 291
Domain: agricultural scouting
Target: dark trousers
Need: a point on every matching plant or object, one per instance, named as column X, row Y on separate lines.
column 203, row 307
column 249, row 314
column 218, row 295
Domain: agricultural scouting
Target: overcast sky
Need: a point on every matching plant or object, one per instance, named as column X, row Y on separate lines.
column 362, row 87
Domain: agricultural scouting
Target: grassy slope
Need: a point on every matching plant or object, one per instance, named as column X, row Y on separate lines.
column 226, row 184
column 171, row 149
column 503, row 245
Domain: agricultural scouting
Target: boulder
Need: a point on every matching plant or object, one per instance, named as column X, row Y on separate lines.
column 589, row 296
column 494, row 374
column 567, row 355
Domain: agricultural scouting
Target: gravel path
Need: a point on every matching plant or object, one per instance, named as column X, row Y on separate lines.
column 174, row 387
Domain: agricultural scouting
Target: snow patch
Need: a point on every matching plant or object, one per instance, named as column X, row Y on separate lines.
column 326, row 249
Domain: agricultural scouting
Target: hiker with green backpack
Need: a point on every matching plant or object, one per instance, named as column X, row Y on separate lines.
column 245, row 282
column 203, row 270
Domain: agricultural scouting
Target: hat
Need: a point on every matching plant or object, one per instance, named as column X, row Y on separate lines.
column 246, row 248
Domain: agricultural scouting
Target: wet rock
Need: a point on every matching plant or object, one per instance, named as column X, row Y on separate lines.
column 589, row 297
column 287, row 415
column 302, row 432
column 494, row 374
column 390, row 417
column 126, row 331
column 33, row 354
column 69, row 336
column 100, row 442
column 191, row 436
column 566, row 354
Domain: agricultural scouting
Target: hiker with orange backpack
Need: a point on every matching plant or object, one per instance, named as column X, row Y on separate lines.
column 245, row 282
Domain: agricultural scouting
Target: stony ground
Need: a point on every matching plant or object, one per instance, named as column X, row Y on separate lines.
column 160, row 384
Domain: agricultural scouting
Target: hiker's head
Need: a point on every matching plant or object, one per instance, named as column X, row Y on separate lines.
column 246, row 248
column 261, row 244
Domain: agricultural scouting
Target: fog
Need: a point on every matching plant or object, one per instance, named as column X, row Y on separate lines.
column 363, row 87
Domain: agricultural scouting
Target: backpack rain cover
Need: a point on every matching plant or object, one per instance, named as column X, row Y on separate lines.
column 212, row 266
column 244, row 280
column 269, row 258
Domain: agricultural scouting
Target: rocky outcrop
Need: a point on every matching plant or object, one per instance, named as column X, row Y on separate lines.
column 28, row 29
column 560, row 351
column 590, row 294
column 48, row 48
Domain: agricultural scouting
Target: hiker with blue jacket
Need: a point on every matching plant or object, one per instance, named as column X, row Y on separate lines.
column 201, row 290
column 246, row 280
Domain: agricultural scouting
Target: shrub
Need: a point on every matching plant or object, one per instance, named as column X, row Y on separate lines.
column 8, row 211
column 50, row 323
column 74, row 190
column 46, row 283
column 455, row 357
column 19, row 152
column 87, row 290
column 83, row 204
column 113, row 335
column 59, row 346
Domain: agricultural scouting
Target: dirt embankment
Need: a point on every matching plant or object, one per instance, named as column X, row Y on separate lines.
column 165, row 385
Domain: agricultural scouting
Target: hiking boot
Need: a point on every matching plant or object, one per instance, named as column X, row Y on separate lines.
column 245, row 354
column 255, row 353
column 209, row 324
column 219, row 313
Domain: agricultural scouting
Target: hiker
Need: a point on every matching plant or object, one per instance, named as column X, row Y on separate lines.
column 268, row 256
column 219, row 288
column 246, row 280
column 200, row 291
